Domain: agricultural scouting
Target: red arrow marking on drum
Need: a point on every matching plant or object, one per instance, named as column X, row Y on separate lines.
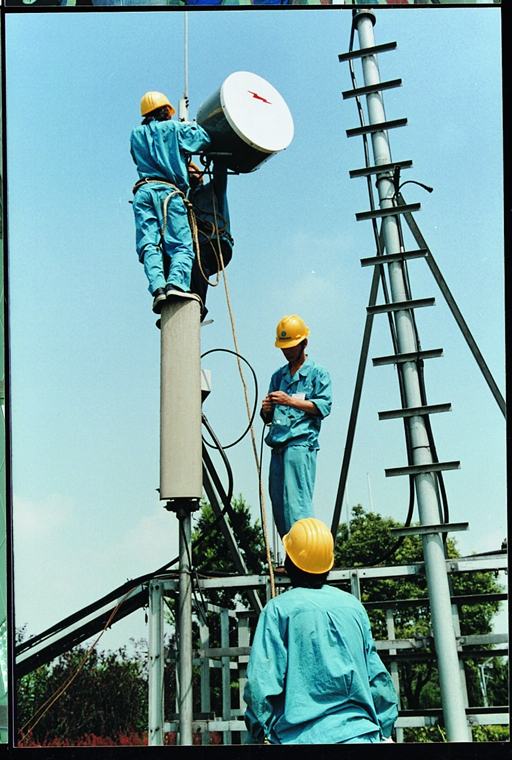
column 258, row 97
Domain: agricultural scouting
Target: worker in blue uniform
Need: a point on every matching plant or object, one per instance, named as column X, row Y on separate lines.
column 298, row 399
column 314, row 675
column 161, row 149
column 210, row 206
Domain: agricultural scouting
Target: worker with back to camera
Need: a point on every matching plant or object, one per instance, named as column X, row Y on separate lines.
column 210, row 205
column 314, row 675
column 161, row 149
column 298, row 399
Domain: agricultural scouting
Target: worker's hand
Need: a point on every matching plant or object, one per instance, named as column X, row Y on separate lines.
column 267, row 407
column 279, row 397
column 389, row 740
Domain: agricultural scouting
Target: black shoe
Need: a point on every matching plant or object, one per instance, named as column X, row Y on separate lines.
column 172, row 292
column 158, row 297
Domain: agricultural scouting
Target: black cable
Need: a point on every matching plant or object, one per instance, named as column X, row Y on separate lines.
column 201, row 606
column 260, row 489
column 223, row 455
column 228, row 351
column 438, row 477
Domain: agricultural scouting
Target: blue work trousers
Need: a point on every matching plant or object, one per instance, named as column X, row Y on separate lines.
column 291, row 483
column 170, row 263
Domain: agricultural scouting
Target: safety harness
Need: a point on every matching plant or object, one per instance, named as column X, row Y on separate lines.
column 209, row 230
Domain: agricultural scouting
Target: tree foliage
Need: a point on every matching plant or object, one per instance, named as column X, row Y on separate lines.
column 105, row 696
column 211, row 553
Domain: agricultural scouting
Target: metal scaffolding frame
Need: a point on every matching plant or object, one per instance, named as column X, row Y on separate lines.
column 232, row 658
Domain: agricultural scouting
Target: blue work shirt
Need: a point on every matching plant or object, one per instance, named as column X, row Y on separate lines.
column 160, row 150
column 314, row 675
column 292, row 426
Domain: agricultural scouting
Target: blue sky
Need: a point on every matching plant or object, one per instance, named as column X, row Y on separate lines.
column 84, row 347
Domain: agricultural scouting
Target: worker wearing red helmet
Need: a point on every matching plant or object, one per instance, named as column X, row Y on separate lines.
column 161, row 149
column 314, row 675
column 298, row 399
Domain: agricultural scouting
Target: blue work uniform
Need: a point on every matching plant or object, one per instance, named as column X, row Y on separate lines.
column 314, row 675
column 210, row 204
column 160, row 150
column 293, row 438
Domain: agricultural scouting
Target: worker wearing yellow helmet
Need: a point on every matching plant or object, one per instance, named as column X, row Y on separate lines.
column 161, row 149
column 314, row 675
column 298, row 399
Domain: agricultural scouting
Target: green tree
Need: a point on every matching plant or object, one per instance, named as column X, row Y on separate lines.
column 211, row 554
column 363, row 542
column 102, row 694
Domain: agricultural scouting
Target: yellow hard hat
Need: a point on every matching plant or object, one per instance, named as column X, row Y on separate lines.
column 152, row 100
column 290, row 331
column 310, row 546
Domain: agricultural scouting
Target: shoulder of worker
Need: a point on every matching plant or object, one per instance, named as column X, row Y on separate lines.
column 299, row 599
column 311, row 366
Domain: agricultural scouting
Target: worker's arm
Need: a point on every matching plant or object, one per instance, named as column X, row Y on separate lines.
column 266, row 671
column 383, row 692
column 280, row 397
column 192, row 138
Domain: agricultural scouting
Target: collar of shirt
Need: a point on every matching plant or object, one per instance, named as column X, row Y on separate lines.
column 302, row 371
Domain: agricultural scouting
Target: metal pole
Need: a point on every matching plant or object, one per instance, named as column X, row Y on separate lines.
column 156, row 666
column 185, row 706
column 433, row 549
column 183, row 103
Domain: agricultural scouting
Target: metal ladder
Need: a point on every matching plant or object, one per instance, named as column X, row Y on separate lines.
column 390, row 271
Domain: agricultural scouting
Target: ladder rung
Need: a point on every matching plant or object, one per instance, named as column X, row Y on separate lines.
column 416, row 303
column 389, row 258
column 433, row 353
column 366, row 171
column 419, row 469
column 391, row 211
column 357, row 91
column 412, row 411
column 380, row 127
column 366, row 51
column 422, row 530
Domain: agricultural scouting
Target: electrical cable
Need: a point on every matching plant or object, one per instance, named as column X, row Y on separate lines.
column 223, row 455
column 442, row 497
column 253, row 414
column 202, row 605
column 250, row 417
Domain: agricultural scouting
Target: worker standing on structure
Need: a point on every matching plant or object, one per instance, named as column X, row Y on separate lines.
column 314, row 675
column 210, row 205
column 161, row 149
column 299, row 397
